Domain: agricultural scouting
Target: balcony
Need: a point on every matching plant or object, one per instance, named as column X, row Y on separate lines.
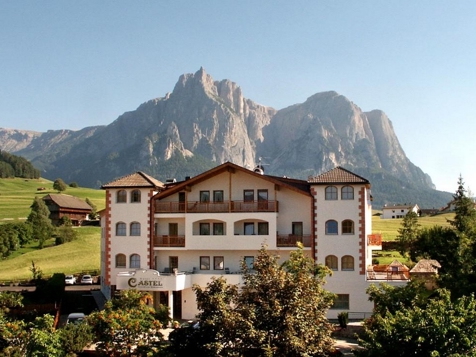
column 290, row 240
column 374, row 240
column 169, row 241
column 216, row 207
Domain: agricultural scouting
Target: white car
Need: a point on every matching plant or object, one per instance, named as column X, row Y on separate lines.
column 87, row 279
column 69, row 280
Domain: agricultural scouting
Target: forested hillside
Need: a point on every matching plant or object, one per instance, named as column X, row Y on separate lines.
column 16, row 166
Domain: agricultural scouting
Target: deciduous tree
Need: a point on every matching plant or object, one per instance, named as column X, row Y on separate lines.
column 59, row 185
column 40, row 222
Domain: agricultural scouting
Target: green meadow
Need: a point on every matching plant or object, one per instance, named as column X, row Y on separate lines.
column 83, row 254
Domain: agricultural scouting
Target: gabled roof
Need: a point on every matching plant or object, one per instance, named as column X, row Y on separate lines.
column 67, row 201
column 338, row 175
column 410, row 206
column 426, row 266
column 396, row 263
column 137, row 179
column 295, row 185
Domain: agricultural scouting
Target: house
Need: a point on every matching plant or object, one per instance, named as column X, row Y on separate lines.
column 399, row 211
column 61, row 205
column 165, row 237
column 426, row 270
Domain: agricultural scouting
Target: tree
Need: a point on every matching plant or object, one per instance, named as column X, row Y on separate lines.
column 74, row 337
column 40, row 222
column 279, row 309
column 59, row 185
column 93, row 214
column 408, row 233
column 436, row 326
column 127, row 325
column 465, row 213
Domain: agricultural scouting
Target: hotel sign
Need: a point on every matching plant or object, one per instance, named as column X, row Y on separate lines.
column 143, row 279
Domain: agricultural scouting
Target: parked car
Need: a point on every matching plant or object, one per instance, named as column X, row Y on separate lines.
column 87, row 279
column 69, row 280
column 75, row 318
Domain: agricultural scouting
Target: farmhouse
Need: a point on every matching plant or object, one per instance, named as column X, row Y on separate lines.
column 399, row 211
column 165, row 237
column 61, row 205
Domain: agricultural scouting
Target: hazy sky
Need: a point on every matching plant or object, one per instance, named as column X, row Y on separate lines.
column 72, row 64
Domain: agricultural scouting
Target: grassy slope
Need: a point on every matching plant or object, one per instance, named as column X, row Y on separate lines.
column 16, row 197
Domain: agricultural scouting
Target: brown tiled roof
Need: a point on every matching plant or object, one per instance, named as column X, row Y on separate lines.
column 426, row 266
column 137, row 179
column 67, row 201
column 337, row 175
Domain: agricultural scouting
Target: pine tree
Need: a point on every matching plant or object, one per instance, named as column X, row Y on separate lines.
column 40, row 221
column 408, row 233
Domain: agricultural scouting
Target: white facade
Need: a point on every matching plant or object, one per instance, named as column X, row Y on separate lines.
column 398, row 211
column 206, row 226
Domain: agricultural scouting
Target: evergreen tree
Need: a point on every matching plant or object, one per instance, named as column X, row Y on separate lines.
column 408, row 233
column 465, row 213
column 40, row 221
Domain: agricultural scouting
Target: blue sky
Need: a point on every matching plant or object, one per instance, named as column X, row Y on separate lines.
column 68, row 65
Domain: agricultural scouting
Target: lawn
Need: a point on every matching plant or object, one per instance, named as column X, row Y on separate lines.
column 17, row 195
column 388, row 228
column 81, row 255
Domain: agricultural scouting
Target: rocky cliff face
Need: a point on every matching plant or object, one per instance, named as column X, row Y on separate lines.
column 204, row 122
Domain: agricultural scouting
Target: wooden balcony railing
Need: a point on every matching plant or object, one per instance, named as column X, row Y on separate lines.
column 374, row 239
column 169, row 241
column 215, row 207
column 290, row 240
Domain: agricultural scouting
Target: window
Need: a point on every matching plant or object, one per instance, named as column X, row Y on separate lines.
column 121, row 196
column 173, row 262
column 204, row 229
column 331, row 262
column 297, row 228
column 341, row 302
column 204, row 263
column 134, row 261
column 173, row 229
column 218, row 229
column 262, row 199
column 120, row 229
column 135, row 196
column 217, row 196
column 218, row 263
column 248, row 195
column 347, row 262
column 331, row 193
column 331, row 227
column 249, row 228
column 135, row 229
column 249, row 261
column 263, row 228
column 347, row 193
column 347, row 227
column 205, row 196
column 120, row 261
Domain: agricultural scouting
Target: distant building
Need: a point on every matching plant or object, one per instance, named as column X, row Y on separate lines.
column 61, row 205
column 427, row 270
column 399, row 211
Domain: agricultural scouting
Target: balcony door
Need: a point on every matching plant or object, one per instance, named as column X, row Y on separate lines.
column 262, row 200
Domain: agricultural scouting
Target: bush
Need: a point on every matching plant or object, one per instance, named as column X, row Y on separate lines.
column 73, row 184
column 343, row 318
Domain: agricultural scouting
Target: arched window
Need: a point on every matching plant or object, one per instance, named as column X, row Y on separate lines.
column 331, row 193
column 347, row 262
column 331, row 227
column 347, row 193
column 135, row 229
column 134, row 261
column 347, row 227
column 121, row 196
column 120, row 261
column 135, row 196
column 331, row 262
column 120, row 229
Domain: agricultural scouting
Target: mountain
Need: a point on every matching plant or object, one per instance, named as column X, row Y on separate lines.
column 203, row 123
